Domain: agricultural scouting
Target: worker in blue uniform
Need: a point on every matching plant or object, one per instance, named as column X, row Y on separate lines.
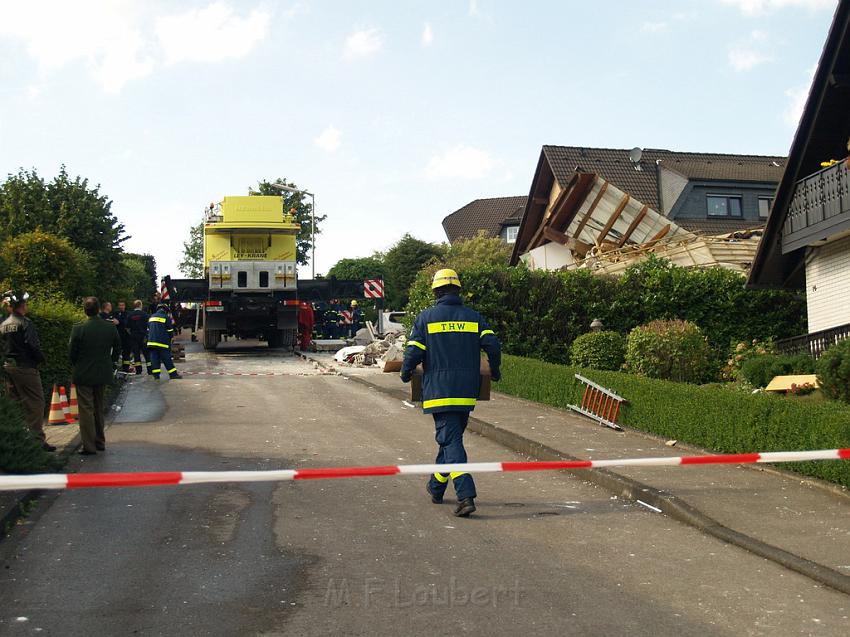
column 447, row 340
column 160, row 331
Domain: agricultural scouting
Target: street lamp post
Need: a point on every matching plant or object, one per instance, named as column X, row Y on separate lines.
column 312, row 221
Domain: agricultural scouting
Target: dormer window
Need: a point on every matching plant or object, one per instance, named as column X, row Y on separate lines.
column 724, row 205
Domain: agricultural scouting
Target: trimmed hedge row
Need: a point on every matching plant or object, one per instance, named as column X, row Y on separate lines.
column 54, row 317
column 539, row 314
column 713, row 417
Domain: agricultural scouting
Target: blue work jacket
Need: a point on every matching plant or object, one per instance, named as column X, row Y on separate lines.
column 447, row 339
column 160, row 330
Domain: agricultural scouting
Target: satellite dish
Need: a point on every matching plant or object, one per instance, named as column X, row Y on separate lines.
column 635, row 154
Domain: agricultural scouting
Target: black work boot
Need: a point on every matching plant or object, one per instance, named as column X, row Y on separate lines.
column 435, row 499
column 464, row 508
column 174, row 376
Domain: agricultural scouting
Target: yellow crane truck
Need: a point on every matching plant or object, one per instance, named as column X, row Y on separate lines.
column 250, row 287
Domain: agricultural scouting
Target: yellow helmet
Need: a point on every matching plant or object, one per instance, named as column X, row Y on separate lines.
column 445, row 277
column 354, row 303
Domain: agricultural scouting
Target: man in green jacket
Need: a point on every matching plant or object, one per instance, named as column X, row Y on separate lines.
column 94, row 349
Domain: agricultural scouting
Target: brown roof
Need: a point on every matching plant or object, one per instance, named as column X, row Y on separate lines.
column 484, row 214
column 717, row 226
column 613, row 165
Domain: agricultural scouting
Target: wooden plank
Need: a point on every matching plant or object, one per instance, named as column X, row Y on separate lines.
column 661, row 234
column 547, row 220
column 613, row 219
column 540, row 200
column 633, row 226
column 570, row 242
column 589, row 213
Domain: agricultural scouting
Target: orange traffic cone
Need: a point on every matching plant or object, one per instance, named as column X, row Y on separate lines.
column 73, row 404
column 56, row 416
column 66, row 408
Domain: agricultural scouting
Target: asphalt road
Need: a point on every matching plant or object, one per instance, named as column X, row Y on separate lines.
column 545, row 553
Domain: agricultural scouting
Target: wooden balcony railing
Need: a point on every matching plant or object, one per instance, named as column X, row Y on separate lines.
column 821, row 202
column 815, row 343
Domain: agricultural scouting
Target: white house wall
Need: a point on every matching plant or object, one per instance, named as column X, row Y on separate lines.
column 550, row 256
column 828, row 285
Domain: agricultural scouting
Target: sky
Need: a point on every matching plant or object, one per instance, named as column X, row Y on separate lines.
column 394, row 113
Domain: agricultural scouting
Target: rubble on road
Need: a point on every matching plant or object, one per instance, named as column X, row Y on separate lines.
column 383, row 353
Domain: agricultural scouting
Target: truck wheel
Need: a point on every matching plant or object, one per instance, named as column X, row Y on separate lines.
column 211, row 338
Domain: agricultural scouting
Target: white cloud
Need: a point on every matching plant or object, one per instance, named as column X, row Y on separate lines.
column 460, row 162
column 473, row 7
column 329, row 139
column 748, row 54
column 211, row 34
column 654, row 27
column 427, row 34
column 116, row 40
column 364, row 42
column 797, row 97
column 104, row 36
column 757, row 7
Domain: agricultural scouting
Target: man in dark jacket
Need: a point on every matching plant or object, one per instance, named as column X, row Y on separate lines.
column 137, row 328
column 23, row 356
column 447, row 340
column 121, row 316
column 94, row 349
column 160, row 332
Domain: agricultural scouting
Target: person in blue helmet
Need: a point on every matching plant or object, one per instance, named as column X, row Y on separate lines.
column 447, row 339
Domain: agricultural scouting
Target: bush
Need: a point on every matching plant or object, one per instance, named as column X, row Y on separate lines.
column 539, row 314
column 742, row 352
column 709, row 416
column 599, row 350
column 20, row 449
column 833, row 371
column 759, row 371
column 54, row 317
column 670, row 350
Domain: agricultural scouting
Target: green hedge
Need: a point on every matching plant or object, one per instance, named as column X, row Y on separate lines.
column 713, row 417
column 599, row 350
column 760, row 370
column 539, row 314
column 20, row 449
column 54, row 317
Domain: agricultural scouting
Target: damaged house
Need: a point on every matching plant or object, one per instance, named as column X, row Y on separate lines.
column 604, row 209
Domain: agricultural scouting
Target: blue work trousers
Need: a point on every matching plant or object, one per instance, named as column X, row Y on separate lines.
column 160, row 358
column 450, row 427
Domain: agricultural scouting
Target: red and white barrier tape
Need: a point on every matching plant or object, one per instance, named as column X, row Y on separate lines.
column 186, row 373
column 149, row 479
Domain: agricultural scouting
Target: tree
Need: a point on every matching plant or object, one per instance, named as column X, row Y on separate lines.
column 45, row 264
column 402, row 262
column 192, row 264
column 139, row 280
column 69, row 208
column 359, row 269
column 303, row 214
column 481, row 250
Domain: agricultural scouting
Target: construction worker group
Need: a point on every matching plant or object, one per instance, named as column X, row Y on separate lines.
column 120, row 336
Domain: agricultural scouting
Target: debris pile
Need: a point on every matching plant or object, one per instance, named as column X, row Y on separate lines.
column 380, row 353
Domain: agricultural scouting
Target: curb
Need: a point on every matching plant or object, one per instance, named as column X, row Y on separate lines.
column 18, row 510
column 633, row 490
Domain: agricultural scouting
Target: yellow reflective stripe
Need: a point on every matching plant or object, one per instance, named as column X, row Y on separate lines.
column 441, row 478
column 452, row 326
column 156, row 319
column 457, row 474
column 155, row 371
column 417, row 344
column 157, row 345
column 486, row 332
column 172, row 370
column 169, row 330
column 449, row 402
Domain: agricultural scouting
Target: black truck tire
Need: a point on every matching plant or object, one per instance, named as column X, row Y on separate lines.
column 211, row 338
